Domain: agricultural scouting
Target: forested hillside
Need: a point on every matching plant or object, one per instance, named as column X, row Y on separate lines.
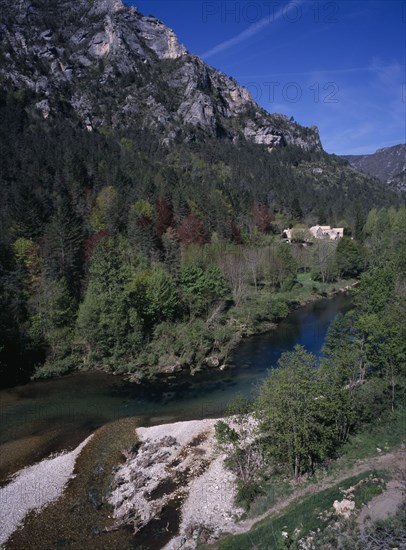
column 119, row 235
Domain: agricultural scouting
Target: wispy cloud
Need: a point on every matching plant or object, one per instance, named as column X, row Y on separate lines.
column 323, row 72
column 389, row 74
column 373, row 111
column 251, row 31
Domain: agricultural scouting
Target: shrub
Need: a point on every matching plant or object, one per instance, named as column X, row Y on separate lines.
column 247, row 492
column 278, row 308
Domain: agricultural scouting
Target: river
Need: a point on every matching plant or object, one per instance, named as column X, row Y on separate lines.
column 48, row 416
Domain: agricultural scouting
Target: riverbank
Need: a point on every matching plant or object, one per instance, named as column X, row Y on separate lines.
column 79, row 517
column 306, row 292
column 210, row 345
column 171, row 485
column 132, row 486
column 167, row 487
column 198, row 344
column 49, row 416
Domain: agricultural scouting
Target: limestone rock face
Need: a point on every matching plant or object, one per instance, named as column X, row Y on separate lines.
column 106, row 6
column 109, row 65
column 159, row 38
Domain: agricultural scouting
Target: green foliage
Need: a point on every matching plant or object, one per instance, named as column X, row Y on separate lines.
column 55, row 311
column 303, row 517
column 285, row 269
column 375, row 291
column 260, row 310
column 385, row 238
column 154, row 294
column 140, row 229
column 201, row 288
column 349, row 257
column 247, row 492
column 186, row 345
column 366, row 350
column 27, row 253
column 63, row 239
column 105, row 213
column 296, row 413
column 56, row 367
column 279, row 309
column 109, row 329
column 143, row 209
column 289, row 283
column 224, row 434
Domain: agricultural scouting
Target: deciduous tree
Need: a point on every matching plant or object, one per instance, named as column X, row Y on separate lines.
column 295, row 414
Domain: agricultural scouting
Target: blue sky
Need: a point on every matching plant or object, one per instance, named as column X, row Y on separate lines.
column 337, row 64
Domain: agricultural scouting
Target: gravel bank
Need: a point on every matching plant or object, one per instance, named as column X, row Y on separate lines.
column 176, row 469
column 33, row 488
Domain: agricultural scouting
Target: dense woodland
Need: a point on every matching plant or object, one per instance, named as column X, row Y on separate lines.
column 121, row 253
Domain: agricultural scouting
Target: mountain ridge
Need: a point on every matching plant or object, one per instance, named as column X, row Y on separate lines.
column 103, row 67
column 106, row 44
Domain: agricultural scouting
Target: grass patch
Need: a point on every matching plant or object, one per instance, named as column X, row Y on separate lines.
column 374, row 485
column 307, row 515
column 307, row 289
column 273, row 490
column 384, row 433
column 77, row 519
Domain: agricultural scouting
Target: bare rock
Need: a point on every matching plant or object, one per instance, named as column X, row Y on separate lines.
column 113, row 66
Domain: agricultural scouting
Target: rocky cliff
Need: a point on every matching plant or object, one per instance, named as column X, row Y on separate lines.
column 109, row 66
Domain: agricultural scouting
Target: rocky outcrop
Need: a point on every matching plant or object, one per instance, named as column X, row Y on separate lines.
column 113, row 66
column 159, row 38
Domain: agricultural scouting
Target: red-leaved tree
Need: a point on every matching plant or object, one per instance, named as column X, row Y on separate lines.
column 192, row 230
column 92, row 241
column 164, row 216
column 263, row 218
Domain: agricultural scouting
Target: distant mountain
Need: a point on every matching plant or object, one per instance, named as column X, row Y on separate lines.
column 387, row 164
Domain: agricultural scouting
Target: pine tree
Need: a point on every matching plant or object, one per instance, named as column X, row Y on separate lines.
column 109, row 329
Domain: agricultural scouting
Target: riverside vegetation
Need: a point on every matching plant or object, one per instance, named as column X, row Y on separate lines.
column 302, row 418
